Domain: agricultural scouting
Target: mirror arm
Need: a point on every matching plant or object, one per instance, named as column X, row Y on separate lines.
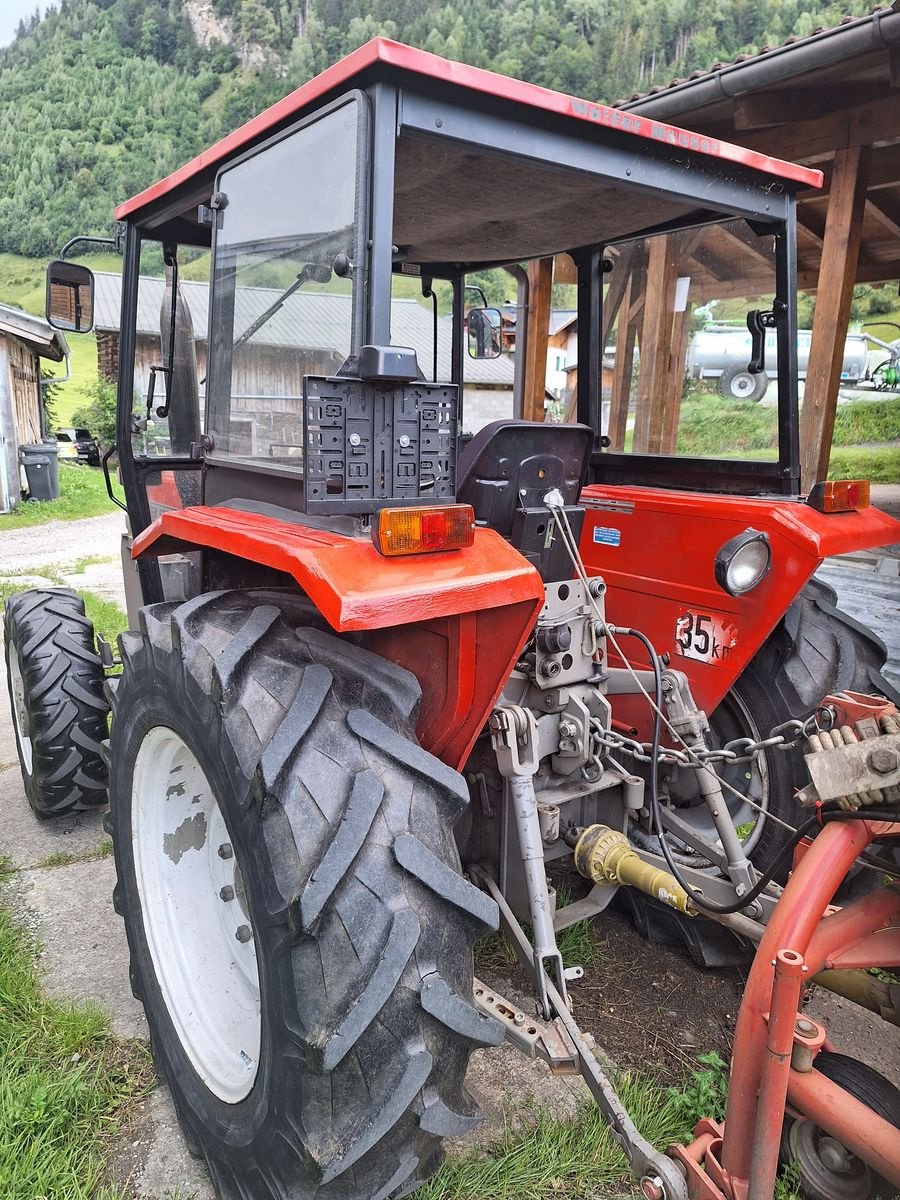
column 115, row 241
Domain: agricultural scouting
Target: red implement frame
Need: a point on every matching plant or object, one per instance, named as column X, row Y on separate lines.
column 737, row 1160
column 458, row 620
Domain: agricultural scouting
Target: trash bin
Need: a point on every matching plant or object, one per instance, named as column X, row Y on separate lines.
column 41, row 463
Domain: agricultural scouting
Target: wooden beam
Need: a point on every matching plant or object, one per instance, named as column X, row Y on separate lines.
column 879, row 120
column 623, row 370
column 681, row 332
column 837, row 273
column 564, row 269
column 877, row 213
column 805, row 228
column 656, row 339
column 764, row 110
column 884, row 270
column 540, row 280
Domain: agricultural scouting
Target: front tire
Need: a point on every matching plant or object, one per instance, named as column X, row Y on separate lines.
column 300, row 934
column 55, row 680
column 737, row 383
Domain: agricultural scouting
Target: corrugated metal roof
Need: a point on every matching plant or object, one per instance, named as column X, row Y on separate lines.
column 309, row 320
column 43, row 338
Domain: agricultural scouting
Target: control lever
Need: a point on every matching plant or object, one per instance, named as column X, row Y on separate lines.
column 758, row 322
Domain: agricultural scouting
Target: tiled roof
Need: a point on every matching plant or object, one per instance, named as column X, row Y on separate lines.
column 819, row 32
column 312, row 320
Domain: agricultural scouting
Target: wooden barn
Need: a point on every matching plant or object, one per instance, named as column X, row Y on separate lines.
column 24, row 341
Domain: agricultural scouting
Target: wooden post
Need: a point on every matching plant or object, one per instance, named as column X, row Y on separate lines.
column 540, row 279
column 675, row 386
column 837, row 272
column 656, row 337
column 623, row 370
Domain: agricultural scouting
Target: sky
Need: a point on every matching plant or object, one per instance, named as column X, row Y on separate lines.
column 11, row 12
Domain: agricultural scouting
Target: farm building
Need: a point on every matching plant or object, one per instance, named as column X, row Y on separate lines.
column 301, row 338
column 24, row 341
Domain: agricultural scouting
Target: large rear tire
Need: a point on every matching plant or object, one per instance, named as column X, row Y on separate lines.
column 55, row 679
column 816, row 650
column 300, row 933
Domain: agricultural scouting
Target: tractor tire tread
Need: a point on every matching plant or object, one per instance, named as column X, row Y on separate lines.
column 63, row 678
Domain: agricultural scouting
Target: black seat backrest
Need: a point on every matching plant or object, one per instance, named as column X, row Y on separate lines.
column 510, row 466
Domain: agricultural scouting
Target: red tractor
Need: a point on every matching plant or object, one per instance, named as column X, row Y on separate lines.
column 379, row 680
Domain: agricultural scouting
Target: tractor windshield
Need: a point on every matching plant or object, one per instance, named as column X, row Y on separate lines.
column 284, row 288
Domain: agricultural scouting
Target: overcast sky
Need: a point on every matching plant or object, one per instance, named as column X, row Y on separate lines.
column 11, row 12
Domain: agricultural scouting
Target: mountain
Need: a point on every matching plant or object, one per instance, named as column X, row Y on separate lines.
column 101, row 97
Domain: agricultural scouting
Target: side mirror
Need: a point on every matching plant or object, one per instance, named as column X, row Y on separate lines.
column 70, row 297
column 483, row 332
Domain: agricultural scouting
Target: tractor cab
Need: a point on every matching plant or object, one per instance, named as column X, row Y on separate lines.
column 288, row 255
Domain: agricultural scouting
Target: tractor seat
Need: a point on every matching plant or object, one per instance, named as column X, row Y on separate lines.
column 508, row 468
column 511, row 465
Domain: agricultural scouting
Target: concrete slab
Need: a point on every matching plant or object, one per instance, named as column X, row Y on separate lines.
column 103, row 579
column 152, row 1161
column 84, row 954
column 28, row 841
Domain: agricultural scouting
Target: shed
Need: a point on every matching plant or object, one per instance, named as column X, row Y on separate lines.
column 830, row 100
column 303, row 337
column 24, row 341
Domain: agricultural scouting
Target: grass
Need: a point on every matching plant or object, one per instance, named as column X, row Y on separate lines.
column 83, row 494
column 61, row 858
column 107, row 617
column 544, row 1158
column 66, row 1084
column 877, row 464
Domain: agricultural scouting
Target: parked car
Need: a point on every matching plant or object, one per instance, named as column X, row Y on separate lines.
column 722, row 351
column 80, row 445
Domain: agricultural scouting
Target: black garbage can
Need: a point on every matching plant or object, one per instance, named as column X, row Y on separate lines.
column 41, row 463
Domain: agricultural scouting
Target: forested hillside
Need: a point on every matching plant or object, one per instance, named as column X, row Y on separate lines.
column 101, row 97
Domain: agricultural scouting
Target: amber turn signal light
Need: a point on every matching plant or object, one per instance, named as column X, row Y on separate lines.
column 839, row 495
column 422, row 530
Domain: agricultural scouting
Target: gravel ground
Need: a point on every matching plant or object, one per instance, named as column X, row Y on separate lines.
column 60, row 542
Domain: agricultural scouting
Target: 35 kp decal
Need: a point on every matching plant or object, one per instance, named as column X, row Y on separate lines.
column 704, row 637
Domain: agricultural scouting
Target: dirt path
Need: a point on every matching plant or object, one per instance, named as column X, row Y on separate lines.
column 60, row 542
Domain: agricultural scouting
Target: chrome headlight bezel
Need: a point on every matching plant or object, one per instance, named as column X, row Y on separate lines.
column 729, row 557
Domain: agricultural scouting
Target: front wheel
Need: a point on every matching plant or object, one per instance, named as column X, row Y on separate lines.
column 300, row 933
column 55, row 679
column 737, row 383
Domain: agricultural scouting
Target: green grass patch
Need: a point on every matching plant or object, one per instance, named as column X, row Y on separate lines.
column 82, row 494
column 878, row 464
column 106, row 616
column 542, row 1158
column 65, row 1084
column 867, row 421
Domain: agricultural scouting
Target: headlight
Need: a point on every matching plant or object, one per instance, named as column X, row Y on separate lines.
column 743, row 562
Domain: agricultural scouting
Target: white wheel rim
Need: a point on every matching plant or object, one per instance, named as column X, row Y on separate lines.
column 198, row 932
column 742, row 386
column 20, row 710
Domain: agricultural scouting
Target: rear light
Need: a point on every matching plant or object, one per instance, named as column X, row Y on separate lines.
column 422, row 530
column 841, row 495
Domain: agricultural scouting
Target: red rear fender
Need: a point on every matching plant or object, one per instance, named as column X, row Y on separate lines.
column 458, row 620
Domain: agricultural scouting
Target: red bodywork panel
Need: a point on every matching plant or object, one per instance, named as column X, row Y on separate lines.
column 656, row 550
column 473, row 79
column 458, row 620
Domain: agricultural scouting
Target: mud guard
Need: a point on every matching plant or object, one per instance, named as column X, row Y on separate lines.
column 458, row 620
